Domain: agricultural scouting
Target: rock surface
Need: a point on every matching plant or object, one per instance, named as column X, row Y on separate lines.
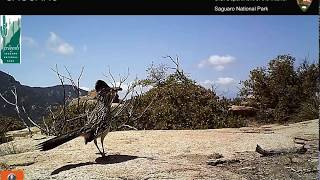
column 170, row 154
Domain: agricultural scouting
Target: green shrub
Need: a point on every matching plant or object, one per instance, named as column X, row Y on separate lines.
column 8, row 124
column 308, row 110
column 281, row 92
column 179, row 103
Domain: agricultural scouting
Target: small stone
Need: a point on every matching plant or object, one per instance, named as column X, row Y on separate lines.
column 295, row 160
column 247, row 168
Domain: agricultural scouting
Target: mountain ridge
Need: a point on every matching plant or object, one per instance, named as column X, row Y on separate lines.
column 34, row 99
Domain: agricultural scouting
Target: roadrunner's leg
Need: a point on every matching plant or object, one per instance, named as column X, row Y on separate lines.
column 95, row 142
column 102, row 138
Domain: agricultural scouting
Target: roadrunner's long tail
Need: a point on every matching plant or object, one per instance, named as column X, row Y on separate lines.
column 57, row 141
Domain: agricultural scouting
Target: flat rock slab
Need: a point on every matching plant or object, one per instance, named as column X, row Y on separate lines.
column 152, row 154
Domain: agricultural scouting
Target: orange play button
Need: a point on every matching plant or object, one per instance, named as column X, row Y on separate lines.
column 16, row 174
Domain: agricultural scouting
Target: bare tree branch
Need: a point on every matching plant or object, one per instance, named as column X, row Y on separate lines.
column 61, row 78
column 14, row 92
column 71, row 79
column 123, row 79
column 45, row 124
column 125, row 125
column 35, row 124
column 181, row 74
column 76, row 87
column 6, row 100
column 114, row 81
column 78, row 117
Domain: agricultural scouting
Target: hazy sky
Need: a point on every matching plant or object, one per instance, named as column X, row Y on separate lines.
column 212, row 49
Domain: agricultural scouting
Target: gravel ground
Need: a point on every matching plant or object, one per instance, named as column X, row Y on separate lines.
column 171, row 154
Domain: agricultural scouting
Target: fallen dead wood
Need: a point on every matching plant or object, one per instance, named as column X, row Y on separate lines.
column 305, row 139
column 264, row 152
column 214, row 162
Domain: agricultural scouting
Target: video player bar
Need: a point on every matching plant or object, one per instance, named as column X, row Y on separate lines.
column 160, row 7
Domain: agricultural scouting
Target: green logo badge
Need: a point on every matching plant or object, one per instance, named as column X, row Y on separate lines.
column 10, row 38
column 304, row 4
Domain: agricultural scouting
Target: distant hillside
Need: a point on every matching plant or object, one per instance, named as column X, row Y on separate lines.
column 34, row 99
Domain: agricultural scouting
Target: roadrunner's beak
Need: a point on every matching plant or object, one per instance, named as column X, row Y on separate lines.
column 116, row 89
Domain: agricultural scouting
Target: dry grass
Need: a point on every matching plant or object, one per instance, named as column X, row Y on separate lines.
column 4, row 165
column 9, row 148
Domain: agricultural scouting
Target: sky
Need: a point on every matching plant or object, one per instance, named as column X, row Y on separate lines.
column 218, row 50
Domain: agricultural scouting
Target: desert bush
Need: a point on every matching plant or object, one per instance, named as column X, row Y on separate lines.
column 281, row 92
column 180, row 103
column 177, row 106
column 308, row 110
column 4, row 138
column 8, row 124
column 60, row 123
column 4, row 166
column 309, row 81
column 265, row 116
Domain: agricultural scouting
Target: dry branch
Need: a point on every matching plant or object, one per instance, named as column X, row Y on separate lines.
column 214, row 162
column 304, row 139
column 179, row 71
column 17, row 108
column 264, row 152
column 35, row 124
column 125, row 125
column 61, row 78
column 76, row 89
column 45, row 125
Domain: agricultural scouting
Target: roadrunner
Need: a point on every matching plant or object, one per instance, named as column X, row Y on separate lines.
column 98, row 123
